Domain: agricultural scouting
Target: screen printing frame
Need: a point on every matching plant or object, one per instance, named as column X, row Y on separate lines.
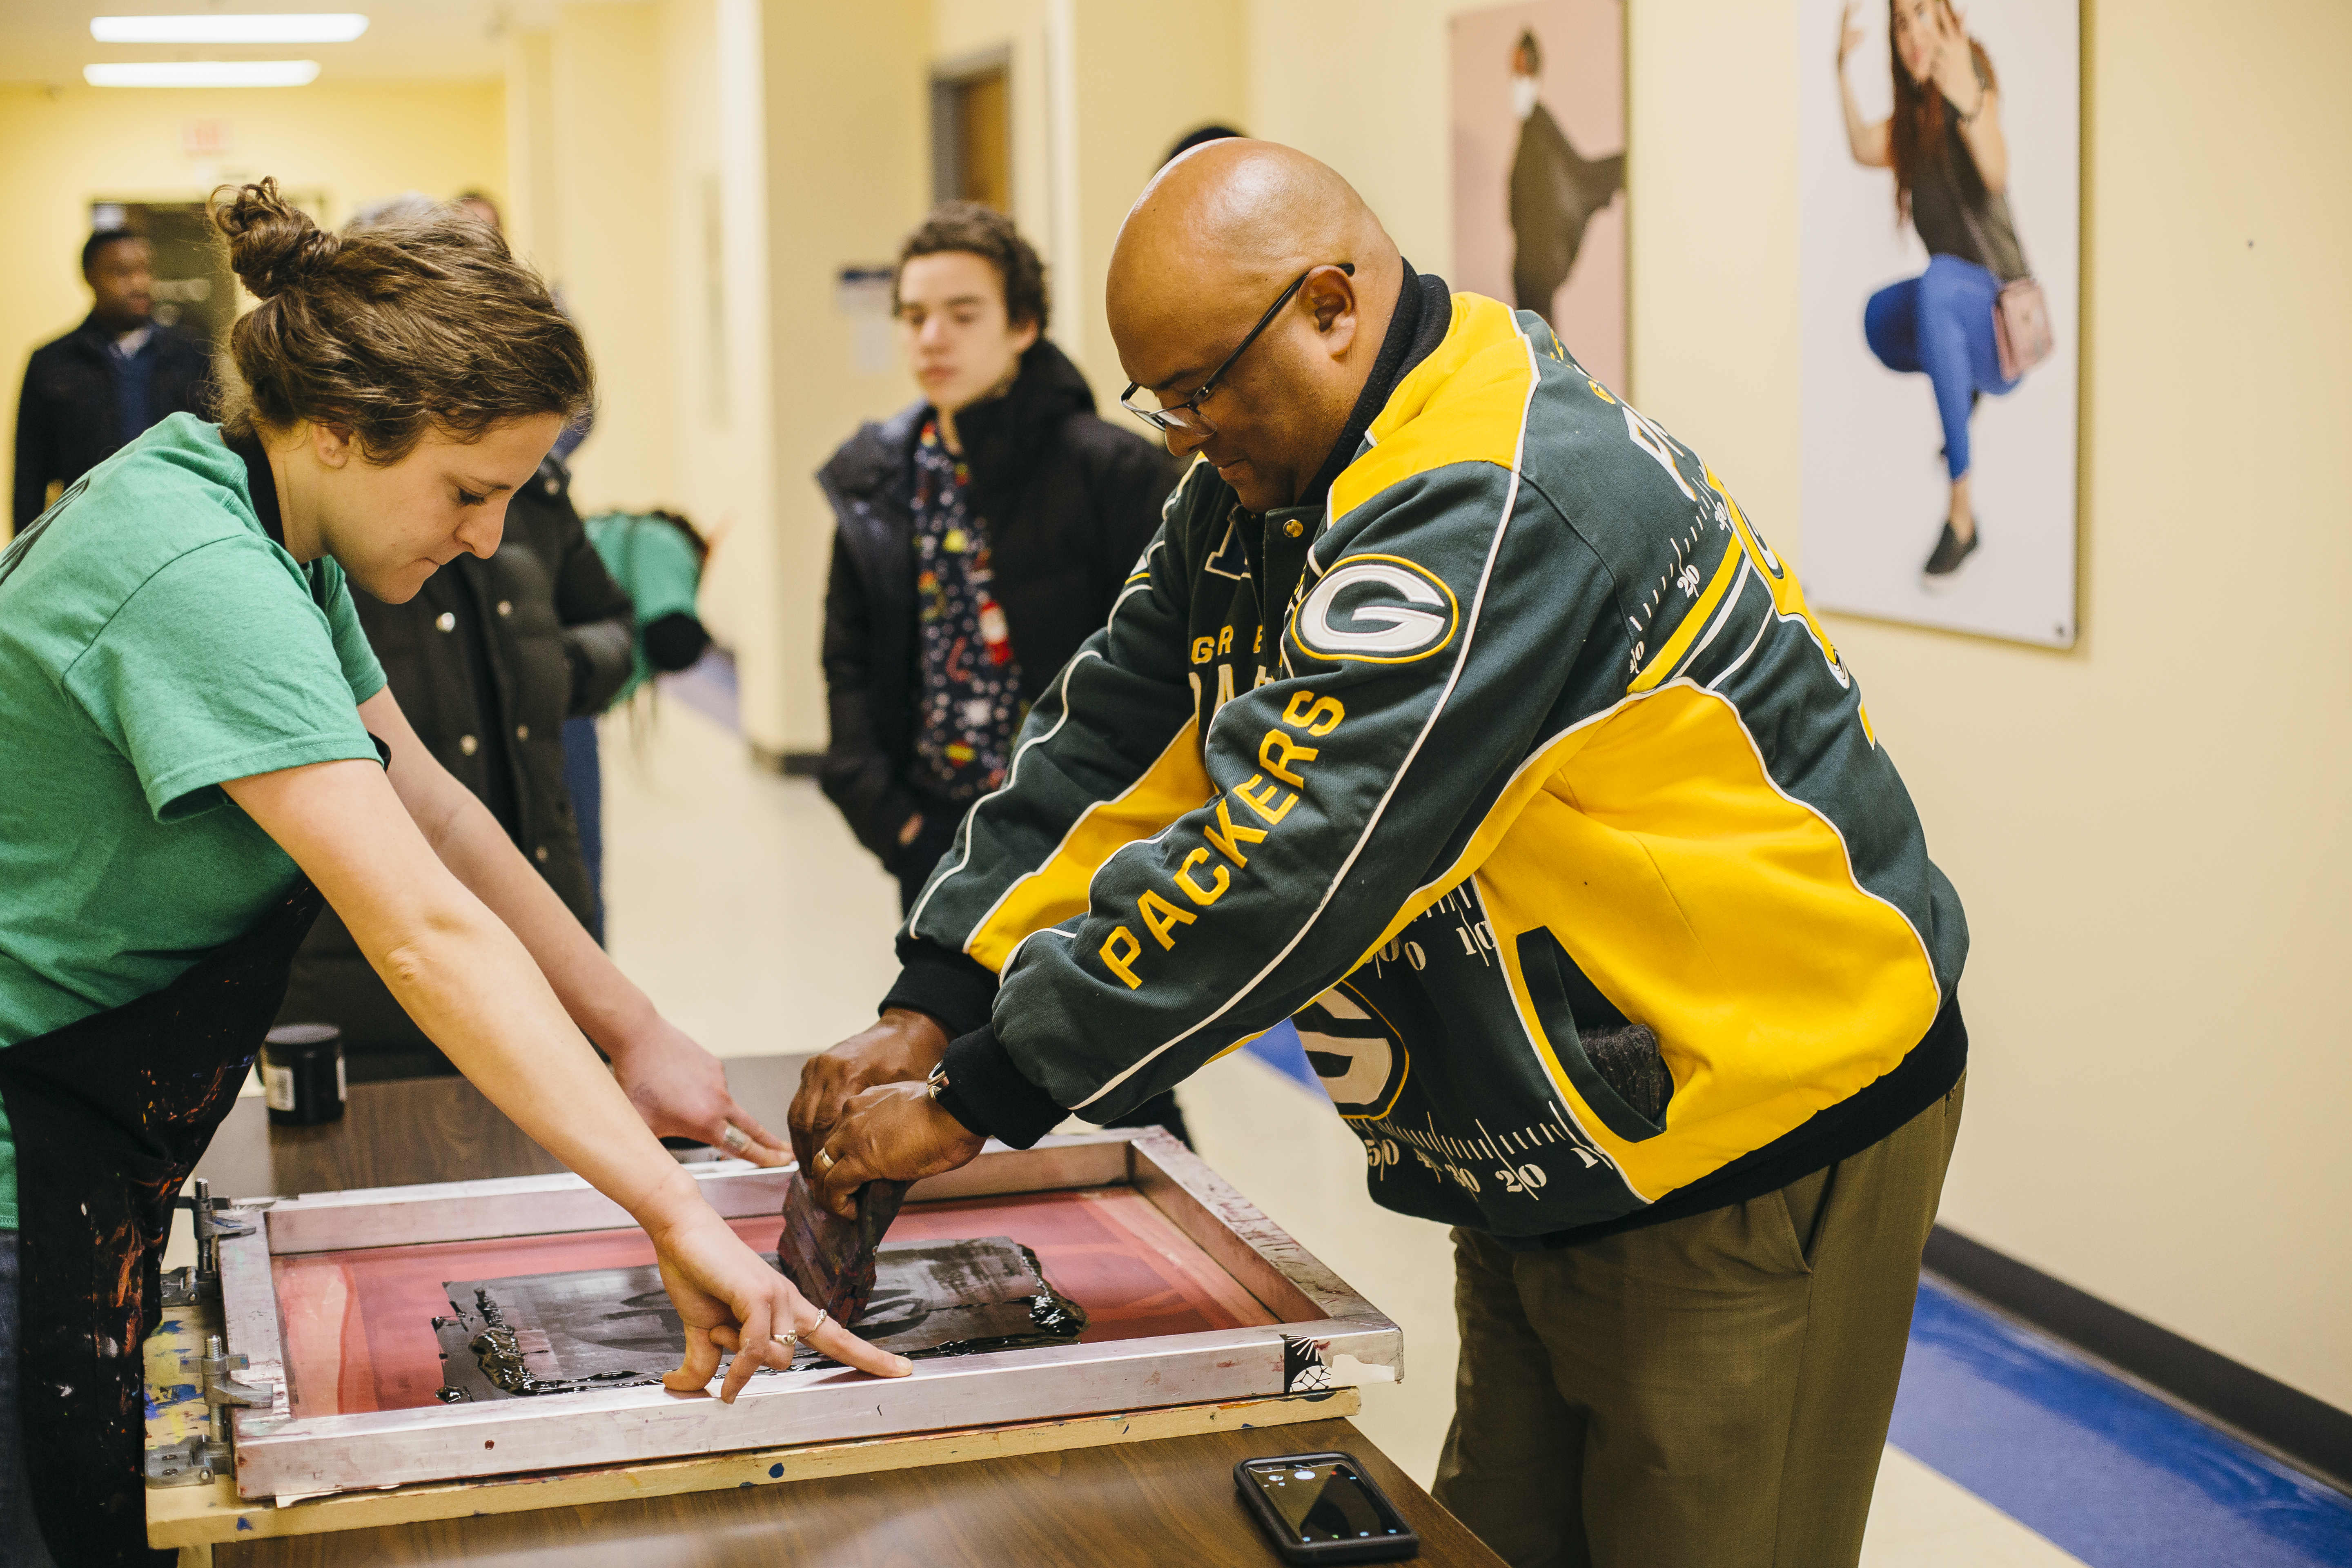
column 1327, row 1335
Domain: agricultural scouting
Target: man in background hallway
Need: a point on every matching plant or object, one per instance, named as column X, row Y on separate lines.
column 982, row 534
column 105, row 382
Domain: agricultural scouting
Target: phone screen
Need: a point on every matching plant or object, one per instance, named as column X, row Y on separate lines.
column 1323, row 1501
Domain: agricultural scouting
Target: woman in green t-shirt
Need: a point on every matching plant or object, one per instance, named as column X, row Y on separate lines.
column 196, row 745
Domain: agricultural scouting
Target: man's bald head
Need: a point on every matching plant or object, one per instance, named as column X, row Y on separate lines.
column 1238, row 218
column 1212, row 241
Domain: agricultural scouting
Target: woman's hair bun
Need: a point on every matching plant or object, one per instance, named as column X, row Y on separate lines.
column 272, row 244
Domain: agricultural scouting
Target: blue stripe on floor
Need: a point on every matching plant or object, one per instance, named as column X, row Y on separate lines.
column 2113, row 1475
column 1280, row 1048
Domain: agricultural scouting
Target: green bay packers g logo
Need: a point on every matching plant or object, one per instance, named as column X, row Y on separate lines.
column 1379, row 609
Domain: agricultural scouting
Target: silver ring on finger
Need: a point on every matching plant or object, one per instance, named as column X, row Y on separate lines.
column 824, row 1316
column 734, row 1140
column 791, row 1340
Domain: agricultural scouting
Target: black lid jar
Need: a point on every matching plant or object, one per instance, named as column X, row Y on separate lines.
column 302, row 1074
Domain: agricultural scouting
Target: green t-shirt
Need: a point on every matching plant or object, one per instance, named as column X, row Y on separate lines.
column 153, row 643
column 655, row 565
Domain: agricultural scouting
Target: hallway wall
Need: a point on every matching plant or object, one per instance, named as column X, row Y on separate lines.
column 848, row 148
column 610, row 117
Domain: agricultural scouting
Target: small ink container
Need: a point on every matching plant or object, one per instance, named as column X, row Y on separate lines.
column 302, row 1074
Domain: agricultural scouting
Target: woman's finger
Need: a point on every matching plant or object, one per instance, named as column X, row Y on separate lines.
column 765, row 1154
column 750, row 1123
column 830, row 1339
column 738, row 1141
column 700, row 1365
column 751, row 1349
column 763, row 1148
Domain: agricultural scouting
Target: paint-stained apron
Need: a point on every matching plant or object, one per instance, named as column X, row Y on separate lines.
column 111, row 1113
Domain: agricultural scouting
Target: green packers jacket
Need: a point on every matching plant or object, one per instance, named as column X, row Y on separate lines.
column 1521, row 733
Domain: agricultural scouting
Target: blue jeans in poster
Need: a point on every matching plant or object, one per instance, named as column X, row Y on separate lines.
column 1940, row 324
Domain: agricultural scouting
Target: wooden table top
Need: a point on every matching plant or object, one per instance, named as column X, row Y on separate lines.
column 1165, row 1503
column 423, row 1130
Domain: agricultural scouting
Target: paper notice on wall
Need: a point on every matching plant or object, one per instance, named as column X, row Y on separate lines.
column 864, row 295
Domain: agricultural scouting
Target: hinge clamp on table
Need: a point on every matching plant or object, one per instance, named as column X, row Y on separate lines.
column 196, row 1460
column 185, row 1286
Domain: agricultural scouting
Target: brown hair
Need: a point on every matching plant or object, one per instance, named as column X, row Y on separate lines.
column 987, row 234
column 1914, row 135
column 425, row 320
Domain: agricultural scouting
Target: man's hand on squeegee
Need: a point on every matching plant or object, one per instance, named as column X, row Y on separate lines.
column 731, row 1300
column 893, row 1130
column 902, row 1046
column 681, row 1091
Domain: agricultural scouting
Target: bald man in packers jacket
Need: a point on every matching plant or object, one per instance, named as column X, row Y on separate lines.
column 1460, row 712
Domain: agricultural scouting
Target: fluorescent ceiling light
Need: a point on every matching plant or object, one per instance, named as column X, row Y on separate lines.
column 310, row 28
column 203, row 73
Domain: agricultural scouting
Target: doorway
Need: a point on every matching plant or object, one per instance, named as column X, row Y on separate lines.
column 195, row 290
column 972, row 131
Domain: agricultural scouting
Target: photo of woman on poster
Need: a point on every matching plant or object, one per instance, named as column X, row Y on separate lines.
column 1540, row 192
column 1951, row 160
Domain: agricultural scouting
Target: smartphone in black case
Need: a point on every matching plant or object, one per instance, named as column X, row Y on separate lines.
column 1322, row 1508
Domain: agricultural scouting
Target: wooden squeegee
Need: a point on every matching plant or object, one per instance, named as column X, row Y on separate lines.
column 830, row 1259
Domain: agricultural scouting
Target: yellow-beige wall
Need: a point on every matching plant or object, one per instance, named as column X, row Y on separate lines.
column 2148, row 829
column 848, row 172
column 1141, row 84
column 60, row 148
column 611, row 257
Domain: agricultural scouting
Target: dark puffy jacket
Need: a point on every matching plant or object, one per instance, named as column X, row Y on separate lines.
column 1068, row 502
column 557, row 632
column 68, row 421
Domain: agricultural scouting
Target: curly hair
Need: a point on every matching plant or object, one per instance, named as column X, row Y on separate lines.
column 984, row 232
column 422, row 320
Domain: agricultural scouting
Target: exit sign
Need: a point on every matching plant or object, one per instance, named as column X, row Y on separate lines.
column 205, row 138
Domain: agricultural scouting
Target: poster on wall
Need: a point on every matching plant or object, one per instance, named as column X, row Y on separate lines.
column 1540, row 169
column 1940, row 155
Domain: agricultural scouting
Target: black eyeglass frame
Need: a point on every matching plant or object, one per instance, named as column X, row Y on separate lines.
column 1168, row 418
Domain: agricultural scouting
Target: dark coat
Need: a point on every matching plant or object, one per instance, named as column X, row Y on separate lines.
column 1069, row 503
column 1555, row 192
column 67, row 417
column 558, row 633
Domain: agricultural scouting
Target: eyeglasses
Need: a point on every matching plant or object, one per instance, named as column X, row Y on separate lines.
column 1185, row 418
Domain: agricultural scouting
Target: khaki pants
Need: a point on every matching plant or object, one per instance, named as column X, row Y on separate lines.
column 1708, row 1392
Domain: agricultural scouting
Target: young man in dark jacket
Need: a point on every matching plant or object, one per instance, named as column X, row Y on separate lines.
column 984, row 534
column 105, row 382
